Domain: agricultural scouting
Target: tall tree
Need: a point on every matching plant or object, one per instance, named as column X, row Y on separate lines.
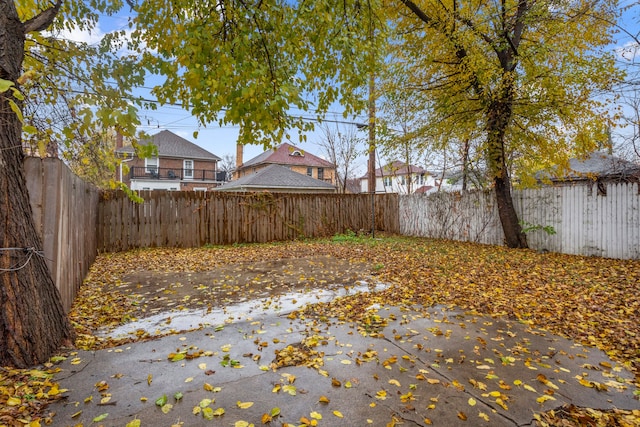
column 32, row 322
column 255, row 60
column 341, row 148
column 42, row 68
column 527, row 70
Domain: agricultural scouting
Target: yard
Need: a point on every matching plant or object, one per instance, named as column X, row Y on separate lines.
column 593, row 301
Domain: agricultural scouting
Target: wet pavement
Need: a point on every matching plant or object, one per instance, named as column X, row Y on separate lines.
column 412, row 367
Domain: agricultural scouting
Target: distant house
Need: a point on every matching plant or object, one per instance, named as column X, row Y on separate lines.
column 598, row 167
column 291, row 157
column 277, row 178
column 178, row 165
column 398, row 177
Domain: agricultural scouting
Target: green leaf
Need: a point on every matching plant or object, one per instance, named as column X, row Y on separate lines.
column 161, row 401
column 100, row 417
column 5, row 85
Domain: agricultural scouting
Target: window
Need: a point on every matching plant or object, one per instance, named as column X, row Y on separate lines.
column 320, row 173
column 309, row 171
column 387, row 181
column 402, row 180
column 188, row 169
column 151, row 164
column 202, row 189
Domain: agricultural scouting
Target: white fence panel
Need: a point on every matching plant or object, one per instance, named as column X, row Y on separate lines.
column 590, row 219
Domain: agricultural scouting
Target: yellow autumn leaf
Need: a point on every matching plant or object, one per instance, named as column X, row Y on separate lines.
column 14, row 401
column 202, row 366
column 166, row 408
column 338, row 414
column 483, row 416
column 544, row 398
column 244, row 405
column 323, row 399
column 345, row 362
column 316, row 415
column 394, row 382
column 242, row 423
column 207, row 413
column 133, row 423
column 218, row 412
column 472, row 401
column 291, row 389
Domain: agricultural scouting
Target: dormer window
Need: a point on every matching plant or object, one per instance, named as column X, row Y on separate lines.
column 297, row 153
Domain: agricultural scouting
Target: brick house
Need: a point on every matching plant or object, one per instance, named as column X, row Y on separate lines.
column 290, row 157
column 179, row 165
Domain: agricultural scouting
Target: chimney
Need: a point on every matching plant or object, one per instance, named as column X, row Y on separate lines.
column 239, row 153
column 119, row 143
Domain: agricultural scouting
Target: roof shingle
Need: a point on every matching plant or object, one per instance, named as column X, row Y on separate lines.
column 171, row 145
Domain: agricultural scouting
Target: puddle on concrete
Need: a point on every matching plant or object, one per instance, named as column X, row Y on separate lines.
column 171, row 321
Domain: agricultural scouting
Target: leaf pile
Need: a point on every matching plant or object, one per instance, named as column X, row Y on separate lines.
column 570, row 415
column 24, row 396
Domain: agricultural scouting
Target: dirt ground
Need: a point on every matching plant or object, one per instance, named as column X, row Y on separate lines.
column 153, row 292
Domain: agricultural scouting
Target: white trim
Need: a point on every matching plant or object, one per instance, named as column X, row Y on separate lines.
column 188, row 169
column 153, row 167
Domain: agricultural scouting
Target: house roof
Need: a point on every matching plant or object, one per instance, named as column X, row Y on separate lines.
column 597, row 164
column 398, row 168
column 287, row 154
column 171, row 145
column 277, row 178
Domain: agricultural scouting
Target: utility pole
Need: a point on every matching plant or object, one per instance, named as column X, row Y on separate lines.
column 371, row 166
column 371, row 169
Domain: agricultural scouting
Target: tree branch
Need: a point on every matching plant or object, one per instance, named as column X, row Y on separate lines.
column 42, row 20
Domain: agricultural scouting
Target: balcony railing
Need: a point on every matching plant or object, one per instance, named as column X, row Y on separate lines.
column 141, row 172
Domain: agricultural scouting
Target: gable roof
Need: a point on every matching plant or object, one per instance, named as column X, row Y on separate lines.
column 398, row 168
column 276, row 177
column 171, row 145
column 287, row 154
column 597, row 165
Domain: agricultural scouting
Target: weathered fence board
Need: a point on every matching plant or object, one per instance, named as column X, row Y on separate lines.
column 65, row 210
column 192, row 219
column 587, row 219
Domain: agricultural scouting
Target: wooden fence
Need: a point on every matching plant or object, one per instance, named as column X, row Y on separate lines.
column 192, row 219
column 587, row 220
column 65, row 211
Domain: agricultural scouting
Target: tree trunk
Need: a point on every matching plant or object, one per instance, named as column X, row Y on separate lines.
column 33, row 324
column 498, row 117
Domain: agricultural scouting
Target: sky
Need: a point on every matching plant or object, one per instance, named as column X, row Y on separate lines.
column 221, row 141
